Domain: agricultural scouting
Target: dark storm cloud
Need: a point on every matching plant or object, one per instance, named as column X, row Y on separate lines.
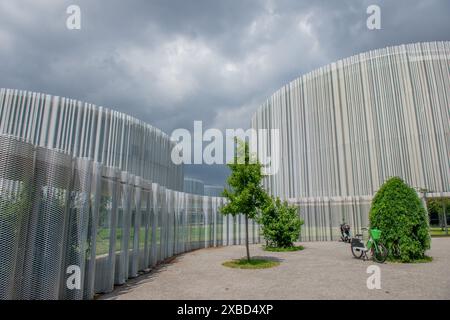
column 172, row 62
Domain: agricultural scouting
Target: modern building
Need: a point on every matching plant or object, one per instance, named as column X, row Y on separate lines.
column 348, row 126
column 213, row 191
column 194, row 186
column 197, row 186
column 86, row 131
column 91, row 191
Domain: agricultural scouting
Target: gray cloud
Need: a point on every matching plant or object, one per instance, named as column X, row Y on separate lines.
column 172, row 62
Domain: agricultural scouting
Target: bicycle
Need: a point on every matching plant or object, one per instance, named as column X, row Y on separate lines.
column 377, row 249
column 345, row 232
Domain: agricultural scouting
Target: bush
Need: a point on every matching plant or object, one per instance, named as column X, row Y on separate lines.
column 280, row 224
column 400, row 215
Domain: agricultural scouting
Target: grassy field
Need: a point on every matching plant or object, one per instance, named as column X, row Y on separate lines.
column 197, row 233
column 288, row 249
column 438, row 232
column 252, row 264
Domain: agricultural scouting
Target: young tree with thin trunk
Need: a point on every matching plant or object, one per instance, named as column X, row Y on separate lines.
column 245, row 194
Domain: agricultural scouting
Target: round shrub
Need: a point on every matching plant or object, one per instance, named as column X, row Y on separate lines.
column 400, row 215
column 280, row 224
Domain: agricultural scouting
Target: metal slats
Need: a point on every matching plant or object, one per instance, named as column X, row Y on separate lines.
column 59, row 211
column 347, row 127
column 91, row 188
column 86, row 131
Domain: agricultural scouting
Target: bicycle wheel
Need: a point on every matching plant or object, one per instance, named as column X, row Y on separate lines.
column 357, row 253
column 381, row 255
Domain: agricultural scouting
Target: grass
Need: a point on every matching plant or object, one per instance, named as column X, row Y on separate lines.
column 243, row 263
column 287, row 249
column 438, row 232
column 425, row 259
column 196, row 233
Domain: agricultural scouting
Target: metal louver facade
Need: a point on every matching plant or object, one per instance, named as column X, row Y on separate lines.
column 89, row 189
column 347, row 127
column 87, row 131
column 194, row 186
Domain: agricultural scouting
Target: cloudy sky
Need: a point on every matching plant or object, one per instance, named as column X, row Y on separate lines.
column 172, row 62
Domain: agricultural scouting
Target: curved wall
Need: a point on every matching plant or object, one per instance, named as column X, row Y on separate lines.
column 84, row 130
column 194, row 186
column 59, row 214
column 213, row 191
column 90, row 189
column 346, row 127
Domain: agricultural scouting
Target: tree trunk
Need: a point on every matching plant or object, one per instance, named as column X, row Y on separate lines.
column 444, row 210
column 246, row 238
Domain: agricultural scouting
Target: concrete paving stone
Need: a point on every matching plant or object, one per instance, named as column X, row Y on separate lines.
column 324, row 270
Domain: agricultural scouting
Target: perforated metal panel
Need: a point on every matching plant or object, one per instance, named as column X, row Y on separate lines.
column 15, row 203
column 78, row 227
column 45, row 251
column 145, row 227
column 123, row 229
column 59, row 213
column 135, row 228
column 106, row 235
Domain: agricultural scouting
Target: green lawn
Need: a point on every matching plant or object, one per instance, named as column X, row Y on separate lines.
column 197, row 233
column 423, row 260
column 252, row 264
column 288, row 249
column 438, row 232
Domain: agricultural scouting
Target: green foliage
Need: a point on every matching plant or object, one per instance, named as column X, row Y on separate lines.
column 436, row 209
column 287, row 249
column 280, row 224
column 399, row 213
column 246, row 195
column 251, row 264
column 14, row 209
column 14, row 205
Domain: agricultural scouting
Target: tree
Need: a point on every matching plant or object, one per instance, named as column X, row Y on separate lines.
column 245, row 194
column 280, row 224
column 400, row 215
column 436, row 208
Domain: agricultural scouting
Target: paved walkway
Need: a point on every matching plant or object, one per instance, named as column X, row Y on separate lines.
column 324, row 270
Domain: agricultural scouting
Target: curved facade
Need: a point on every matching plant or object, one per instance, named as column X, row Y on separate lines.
column 84, row 130
column 346, row 127
column 91, row 192
column 213, row 191
column 194, row 186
